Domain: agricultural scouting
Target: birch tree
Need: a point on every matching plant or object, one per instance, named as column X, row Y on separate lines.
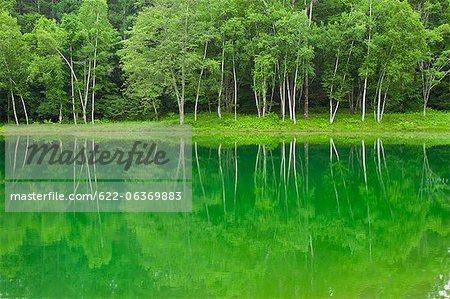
column 436, row 66
column 13, row 65
column 344, row 43
column 398, row 44
column 46, row 73
column 263, row 78
column 99, row 39
column 85, row 44
column 233, row 34
column 165, row 43
column 366, row 69
column 295, row 38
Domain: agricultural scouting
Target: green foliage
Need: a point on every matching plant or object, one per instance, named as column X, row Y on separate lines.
column 13, row 61
column 47, row 70
column 344, row 40
column 163, row 53
column 7, row 5
column 224, row 55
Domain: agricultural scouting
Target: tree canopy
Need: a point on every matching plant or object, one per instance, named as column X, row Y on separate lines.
column 81, row 60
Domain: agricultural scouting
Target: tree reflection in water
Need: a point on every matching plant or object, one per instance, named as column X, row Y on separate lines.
column 296, row 219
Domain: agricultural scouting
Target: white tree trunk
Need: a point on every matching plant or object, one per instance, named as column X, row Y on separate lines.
column 93, row 75
column 86, row 92
column 256, row 97
column 72, row 88
column 363, row 112
column 197, row 96
column 235, row 88
column 221, row 81
column 183, row 91
column 294, row 93
column 60, row 118
column 24, row 109
column 334, row 111
column 180, row 102
column 379, row 103
column 14, row 107
column 264, row 95
column 72, row 71
column 289, row 95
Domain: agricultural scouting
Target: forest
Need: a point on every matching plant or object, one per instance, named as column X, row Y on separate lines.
column 79, row 61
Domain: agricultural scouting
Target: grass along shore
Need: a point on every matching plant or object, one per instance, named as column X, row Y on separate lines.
column 434, row 122
column 404, row 128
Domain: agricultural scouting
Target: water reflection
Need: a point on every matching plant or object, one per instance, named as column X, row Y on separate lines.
column 297, row 219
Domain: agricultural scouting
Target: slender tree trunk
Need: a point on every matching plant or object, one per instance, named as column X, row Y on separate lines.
column 377, row 95
column 60, row 118
column 363, row 112
column 74, row 76
column 333, row 112
column 93, row 75
column 13, row 100
column 183, row 69
column 221, row 81
column 86, row 91
column 264, row 95
column 256, row 97
column 289, row 95
column 424, row 92
column 178, row 96
column 384, row 105
column 306, row 109
column 183, row 91
column 306, row 105
column 363, row 107
column 280, row 87
column 155, row 109
column 380, row 93
column 8, row 112
column 425, row 102
column 345, row 76
column 379, row 105
column 197, row 96
column 294, row 92
column 72, row 88
column 430, row 81
column 24, row 109
column 235, row 88
column 358, row 96
column 351, row 99
column 269, row 108
column 283, row 96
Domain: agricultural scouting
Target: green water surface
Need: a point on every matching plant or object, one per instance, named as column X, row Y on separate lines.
column 297, row 219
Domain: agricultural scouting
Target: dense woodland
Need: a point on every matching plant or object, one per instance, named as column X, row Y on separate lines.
column 76, row 61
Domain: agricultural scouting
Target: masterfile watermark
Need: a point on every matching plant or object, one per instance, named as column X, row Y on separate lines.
column 118, row 172
column 141, row 153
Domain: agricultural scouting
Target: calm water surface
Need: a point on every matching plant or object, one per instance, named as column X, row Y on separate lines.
column 297, row 219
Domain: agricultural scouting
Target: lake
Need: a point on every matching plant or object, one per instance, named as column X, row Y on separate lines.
column 359, row 219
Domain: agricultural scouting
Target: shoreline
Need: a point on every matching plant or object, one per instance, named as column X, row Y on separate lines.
column 397, row 127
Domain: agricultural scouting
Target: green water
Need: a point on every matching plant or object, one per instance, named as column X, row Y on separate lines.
column 361, row 220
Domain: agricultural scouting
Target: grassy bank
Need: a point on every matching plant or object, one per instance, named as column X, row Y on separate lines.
column 394, row 125
column 319, row 123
